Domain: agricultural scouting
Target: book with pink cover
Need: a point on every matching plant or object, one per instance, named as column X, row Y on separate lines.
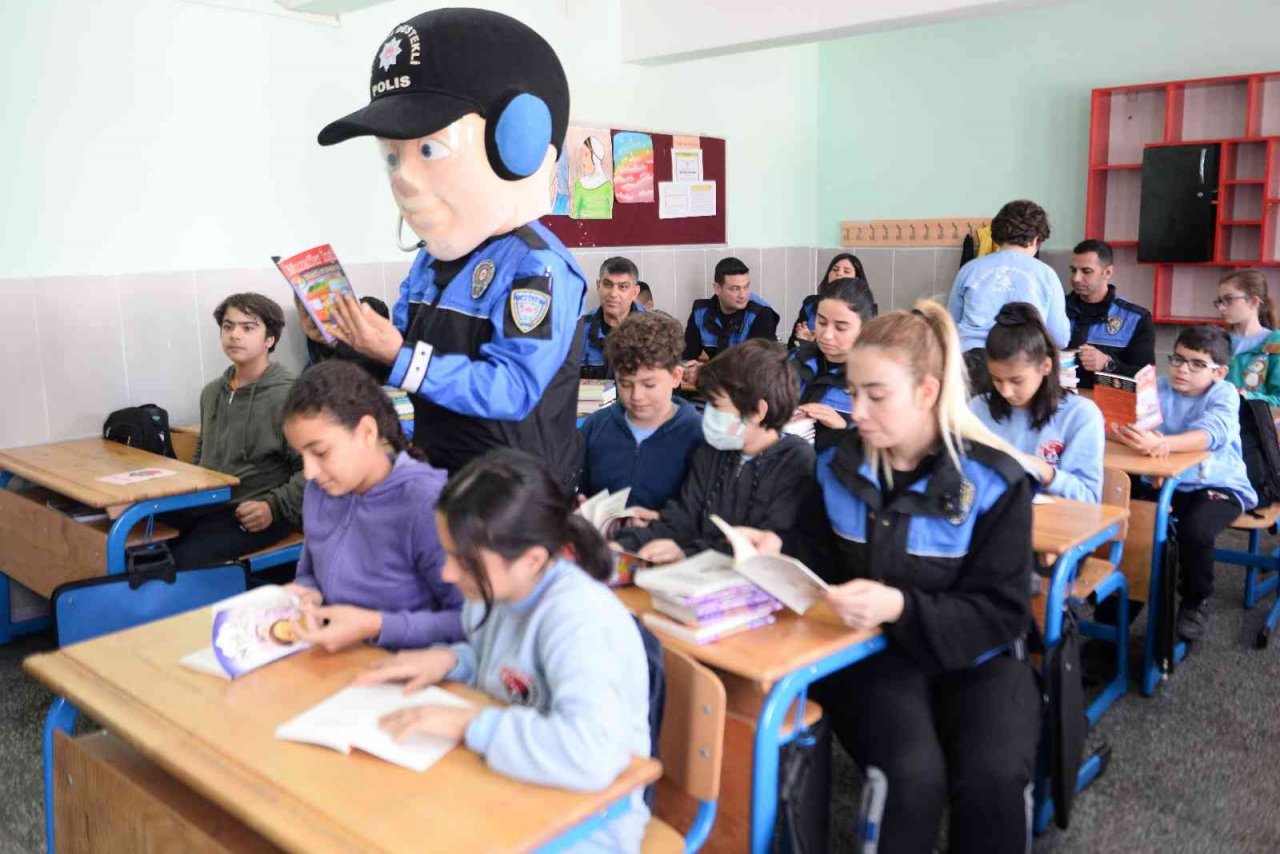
column 318, row 280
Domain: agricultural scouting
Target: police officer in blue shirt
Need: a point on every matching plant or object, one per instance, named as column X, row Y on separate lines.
column 617, row 289
column 470, row 108
column 1110, row 334
column 730, row 317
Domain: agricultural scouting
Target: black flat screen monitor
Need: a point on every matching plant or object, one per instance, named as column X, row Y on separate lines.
column 1178, row 213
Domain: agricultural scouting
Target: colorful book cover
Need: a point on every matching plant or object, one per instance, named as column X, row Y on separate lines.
column 1125, row 400
column 318, row 280
column 256, row 628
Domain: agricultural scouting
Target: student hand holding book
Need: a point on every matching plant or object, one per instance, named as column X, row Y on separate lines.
column 337, row 627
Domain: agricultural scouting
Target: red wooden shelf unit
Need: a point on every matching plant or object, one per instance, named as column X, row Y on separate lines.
column 1242, row 113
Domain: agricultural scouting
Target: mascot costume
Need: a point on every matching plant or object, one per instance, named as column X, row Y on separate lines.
column 470, row 109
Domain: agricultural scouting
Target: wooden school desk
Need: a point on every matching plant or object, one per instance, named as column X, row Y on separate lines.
column 217, row 737
column 1144, row 565
column 1068, row 532
column 781, row 661
column 42, row 548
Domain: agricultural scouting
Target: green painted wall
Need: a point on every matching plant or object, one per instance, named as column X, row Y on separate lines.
column 955, row 119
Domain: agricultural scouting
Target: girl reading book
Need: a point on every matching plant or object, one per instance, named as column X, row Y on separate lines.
column 922, row 524
column 1058, row 437
column 370, row 565
column 544, row 636
column 843, row 305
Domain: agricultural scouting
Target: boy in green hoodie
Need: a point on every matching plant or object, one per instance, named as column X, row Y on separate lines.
column 241, row 434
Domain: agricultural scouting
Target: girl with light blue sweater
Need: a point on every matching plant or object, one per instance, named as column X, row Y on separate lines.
column 543, row 636
column 1059, row 436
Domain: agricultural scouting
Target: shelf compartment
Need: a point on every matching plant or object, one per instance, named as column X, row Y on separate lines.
column 1121, row 199
column 1134, row 119
column 1213, row 109
column 1184, row 293
column 1240, row 242
column 1241, row 204
column 1135, row 282
column 1245, row 161
column 1267, row 98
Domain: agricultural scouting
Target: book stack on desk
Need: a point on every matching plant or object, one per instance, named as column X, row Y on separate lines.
column 703, row 599
column 1067, row 365
column 404, row 409
column 595, row 394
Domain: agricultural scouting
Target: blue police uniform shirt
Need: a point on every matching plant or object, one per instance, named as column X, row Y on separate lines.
column 490, row 353
column 711, row 330
column 594, row 331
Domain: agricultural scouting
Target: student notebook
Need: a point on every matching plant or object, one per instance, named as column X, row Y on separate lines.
column 349, row 719
column 250, row 630
column 318, row 280
column 1128, row 400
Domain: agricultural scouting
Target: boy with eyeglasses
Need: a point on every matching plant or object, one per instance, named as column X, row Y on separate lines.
column 1201, row 413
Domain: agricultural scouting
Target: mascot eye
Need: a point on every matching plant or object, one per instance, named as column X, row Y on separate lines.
column 393, row 161
column 434, row 149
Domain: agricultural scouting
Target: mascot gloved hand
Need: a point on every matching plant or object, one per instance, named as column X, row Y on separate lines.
column 470, row 108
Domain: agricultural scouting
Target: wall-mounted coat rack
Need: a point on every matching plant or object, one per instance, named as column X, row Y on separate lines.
column 942, row 231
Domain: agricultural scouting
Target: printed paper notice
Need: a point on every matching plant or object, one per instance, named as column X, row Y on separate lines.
column 673, row 200
column 686, row 142
column 125, row 478
column 678, row 201
column 686, row 165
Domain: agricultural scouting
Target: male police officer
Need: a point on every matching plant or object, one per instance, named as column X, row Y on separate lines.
column 470, row 108
column 1112, row 334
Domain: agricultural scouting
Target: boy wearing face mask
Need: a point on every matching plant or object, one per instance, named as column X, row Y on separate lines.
column 749, row 473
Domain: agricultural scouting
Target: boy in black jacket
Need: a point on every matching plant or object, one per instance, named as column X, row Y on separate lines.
column 749, row 473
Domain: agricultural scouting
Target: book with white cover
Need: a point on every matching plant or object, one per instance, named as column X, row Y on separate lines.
column 606, row 510
column 349, row 719
column 705, row 574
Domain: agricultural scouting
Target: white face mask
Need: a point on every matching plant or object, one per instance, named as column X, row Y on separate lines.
column 723, row 431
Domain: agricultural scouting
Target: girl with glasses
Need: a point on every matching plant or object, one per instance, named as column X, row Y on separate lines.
column 1255, row 344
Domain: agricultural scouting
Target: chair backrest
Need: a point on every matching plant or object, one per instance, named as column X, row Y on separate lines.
column 692, row 740
column 86, row 609
column 1116, row 489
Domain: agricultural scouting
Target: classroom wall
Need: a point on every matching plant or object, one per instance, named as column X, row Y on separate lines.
column 960, row 117
column 157, row 156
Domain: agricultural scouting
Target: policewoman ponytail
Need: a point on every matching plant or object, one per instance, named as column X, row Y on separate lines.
column 507, row 502
column 926, row 342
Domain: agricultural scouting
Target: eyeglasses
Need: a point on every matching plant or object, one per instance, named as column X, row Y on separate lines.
column 1223, row 302
column 1196, row 365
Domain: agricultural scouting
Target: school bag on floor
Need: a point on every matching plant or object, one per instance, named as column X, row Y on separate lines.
column 1260, row 449
column 145, row 427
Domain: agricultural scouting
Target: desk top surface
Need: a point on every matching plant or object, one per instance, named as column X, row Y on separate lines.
column 218, row 737
column 74, row 469
column 766, row 654
column 1126, row 459
column 1064, row 524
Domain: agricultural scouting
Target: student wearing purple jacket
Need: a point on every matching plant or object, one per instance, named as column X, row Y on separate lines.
column 370, row 566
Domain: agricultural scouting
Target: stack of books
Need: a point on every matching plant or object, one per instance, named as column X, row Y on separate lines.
column 1067, row 364
column 703, row 600
column 594, row 395
column 404, row 409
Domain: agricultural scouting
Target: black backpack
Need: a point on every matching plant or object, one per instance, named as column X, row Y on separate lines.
column 145, row 427
column 1260, row 449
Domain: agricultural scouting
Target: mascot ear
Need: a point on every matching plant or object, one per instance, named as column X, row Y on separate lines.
column 517, row 133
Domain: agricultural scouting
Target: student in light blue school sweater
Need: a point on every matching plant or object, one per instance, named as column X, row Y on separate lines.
column 1201, row 412
column 543, row 636
column 1059, row 436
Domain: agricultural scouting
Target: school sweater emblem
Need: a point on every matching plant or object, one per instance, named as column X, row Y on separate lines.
column 960, row 506
column 1051, row 451
column 481, row 278
column 528, row 308
column 1114, row 322
column 521, row 688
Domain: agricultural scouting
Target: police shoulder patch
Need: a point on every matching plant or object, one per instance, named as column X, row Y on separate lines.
column 481, row 278
column 1114, row 322
column 529, row 308
column 959, row 510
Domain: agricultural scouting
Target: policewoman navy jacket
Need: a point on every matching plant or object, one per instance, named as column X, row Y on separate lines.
column 1117, row 327
column 594, row 330
column 955, row 541
column 490, row 354
column 808, row 315
column 821, row 381
column 712, row 330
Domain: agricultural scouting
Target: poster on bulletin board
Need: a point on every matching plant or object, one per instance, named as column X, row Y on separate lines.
column 614, row 187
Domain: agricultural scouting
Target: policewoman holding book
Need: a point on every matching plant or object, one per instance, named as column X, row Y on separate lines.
column 470, row 109
column 922, row 524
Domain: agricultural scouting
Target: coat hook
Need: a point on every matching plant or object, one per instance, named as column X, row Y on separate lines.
column 955, row 230
column 912, row 226
column 899, row 227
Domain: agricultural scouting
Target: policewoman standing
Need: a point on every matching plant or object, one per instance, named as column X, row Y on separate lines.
column 922, row 524
column 470, row 109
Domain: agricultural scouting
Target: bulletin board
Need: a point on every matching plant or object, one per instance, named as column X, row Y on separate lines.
column 638, row 223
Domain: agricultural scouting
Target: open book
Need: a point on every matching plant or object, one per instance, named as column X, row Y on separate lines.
column 1125, row 400
column 607, row 511
column 318, row 280
column 250, row 630
column 349, row 719
column 708, row 573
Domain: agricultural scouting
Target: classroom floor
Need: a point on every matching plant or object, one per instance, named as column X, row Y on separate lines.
column 1193, row 769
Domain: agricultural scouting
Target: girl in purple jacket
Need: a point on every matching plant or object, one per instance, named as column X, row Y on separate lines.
column 370, row 565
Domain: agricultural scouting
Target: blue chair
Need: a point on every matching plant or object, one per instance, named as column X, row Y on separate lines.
column 1262, row 570
column 691, row 747
column 288, row 550
column 84, row 610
